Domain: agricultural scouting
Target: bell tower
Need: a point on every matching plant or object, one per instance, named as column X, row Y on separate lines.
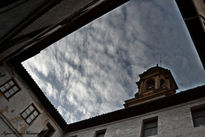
column 156, row 82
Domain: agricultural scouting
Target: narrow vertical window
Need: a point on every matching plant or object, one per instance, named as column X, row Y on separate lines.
column 150, row 84
column 47, row 131
column 30, row 114
column 100, row 133
column 150, row 127
column 198, row 116
column 9, row 88
column 162, row 83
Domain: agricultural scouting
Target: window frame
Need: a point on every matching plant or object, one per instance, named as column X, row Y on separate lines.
column 149, row 83
column 11, row 87
column 35, row 109
column 102, row 131
column 195, row 110
column 162, row 83
column 149, row 121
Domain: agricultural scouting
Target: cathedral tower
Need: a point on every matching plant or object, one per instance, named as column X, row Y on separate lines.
column 156, row 82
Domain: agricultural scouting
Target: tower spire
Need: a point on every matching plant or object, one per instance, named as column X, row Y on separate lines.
column 156, row 82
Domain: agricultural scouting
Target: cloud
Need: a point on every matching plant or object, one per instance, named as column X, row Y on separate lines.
column 93, row 70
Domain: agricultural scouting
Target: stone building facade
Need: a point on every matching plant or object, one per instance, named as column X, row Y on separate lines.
column 175, row 121
column 21, row 111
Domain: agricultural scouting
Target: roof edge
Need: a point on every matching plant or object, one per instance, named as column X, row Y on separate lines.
column 179, row 98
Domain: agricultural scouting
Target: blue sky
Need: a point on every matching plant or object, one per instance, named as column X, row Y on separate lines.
column 93, row 70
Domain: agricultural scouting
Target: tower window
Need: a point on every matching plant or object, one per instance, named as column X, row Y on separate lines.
column 150, row 127
column 198, row 116
column 9, row 88
column 162, row 83
column 30, row 114
column 100, row 133
column 150, row 84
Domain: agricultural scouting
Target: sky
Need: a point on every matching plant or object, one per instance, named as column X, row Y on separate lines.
column 93, row 70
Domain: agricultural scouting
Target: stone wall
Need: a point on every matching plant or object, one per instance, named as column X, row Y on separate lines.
column 11, row 109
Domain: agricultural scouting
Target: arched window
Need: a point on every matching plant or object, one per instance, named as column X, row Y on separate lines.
column 162, row 83
column 150, row 84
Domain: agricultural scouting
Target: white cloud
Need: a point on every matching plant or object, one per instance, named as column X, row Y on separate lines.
column 93, row 70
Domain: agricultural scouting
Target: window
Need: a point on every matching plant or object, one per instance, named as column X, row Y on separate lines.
column 150, row 84
column 149, row 127
column 198, row 116
column 162, row 83
column 30, row 114
column 9, row 88
column 100, row 133
column 47, row 131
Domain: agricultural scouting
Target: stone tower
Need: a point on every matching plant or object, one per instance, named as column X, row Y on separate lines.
column 156, row 82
